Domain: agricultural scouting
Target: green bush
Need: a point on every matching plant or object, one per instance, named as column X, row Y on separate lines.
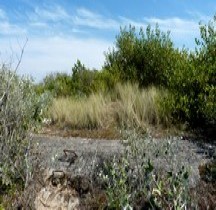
column 205, row 63
column 148, row 58
column 135, row 181
column 192, row 84
column 82, row 79
column 86, row 81
column 104, row 81
column 58, row 84
column 20, row 111
column 144, row 57
column 81, row 82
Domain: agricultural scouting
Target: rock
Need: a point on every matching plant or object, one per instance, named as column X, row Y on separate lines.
column 62, row 191
column 50, row 198
column 56, row 194
column 69, row 156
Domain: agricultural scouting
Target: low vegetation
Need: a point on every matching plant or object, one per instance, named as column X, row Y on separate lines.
column 152, row 176
column 20, row 114
column 80, row 113
column 135, row 181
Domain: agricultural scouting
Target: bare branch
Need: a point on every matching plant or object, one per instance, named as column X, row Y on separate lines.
column 21, row 55
column 3, row 99
column 5, row 94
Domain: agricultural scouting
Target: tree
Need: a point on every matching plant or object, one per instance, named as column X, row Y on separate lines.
column 192, row 84
column 82, row 79
column 58, row 84
column 144, row 57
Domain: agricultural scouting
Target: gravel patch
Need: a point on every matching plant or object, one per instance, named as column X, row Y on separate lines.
column 89, row 152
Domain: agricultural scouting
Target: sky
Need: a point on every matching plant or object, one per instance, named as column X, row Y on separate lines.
column 61, row 31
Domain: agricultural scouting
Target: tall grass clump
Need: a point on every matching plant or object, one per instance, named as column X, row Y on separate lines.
column 127, row 106
column 89, row 112
column 139, row 107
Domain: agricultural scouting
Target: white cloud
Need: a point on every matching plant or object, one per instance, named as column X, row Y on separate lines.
column 58, row 45
column 39, row 24
column 182, row 31
column 127, row 21
column 54, row 14
column 88, row 18
column 7, row 28
column 43, row 15
column 175, row 25
column 3, row 15
column 83, row 18
column 197, row 16
column 45, row 55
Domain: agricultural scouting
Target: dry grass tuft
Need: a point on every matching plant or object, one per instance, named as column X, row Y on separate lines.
column 80, row 113
column 138, row 107
column 127, row 106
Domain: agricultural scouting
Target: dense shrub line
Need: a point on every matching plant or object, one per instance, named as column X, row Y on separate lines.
column 149, row 58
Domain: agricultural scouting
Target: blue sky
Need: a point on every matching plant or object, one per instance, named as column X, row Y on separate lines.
column 61, row 31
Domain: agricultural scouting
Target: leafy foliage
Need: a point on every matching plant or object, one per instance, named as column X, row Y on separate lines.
column 149, row 58
column 82, row 79
column 20, row 110
column 192, row 84
column 80, row 83
column 135, row 176
column 143, row 57
column 58, row 84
